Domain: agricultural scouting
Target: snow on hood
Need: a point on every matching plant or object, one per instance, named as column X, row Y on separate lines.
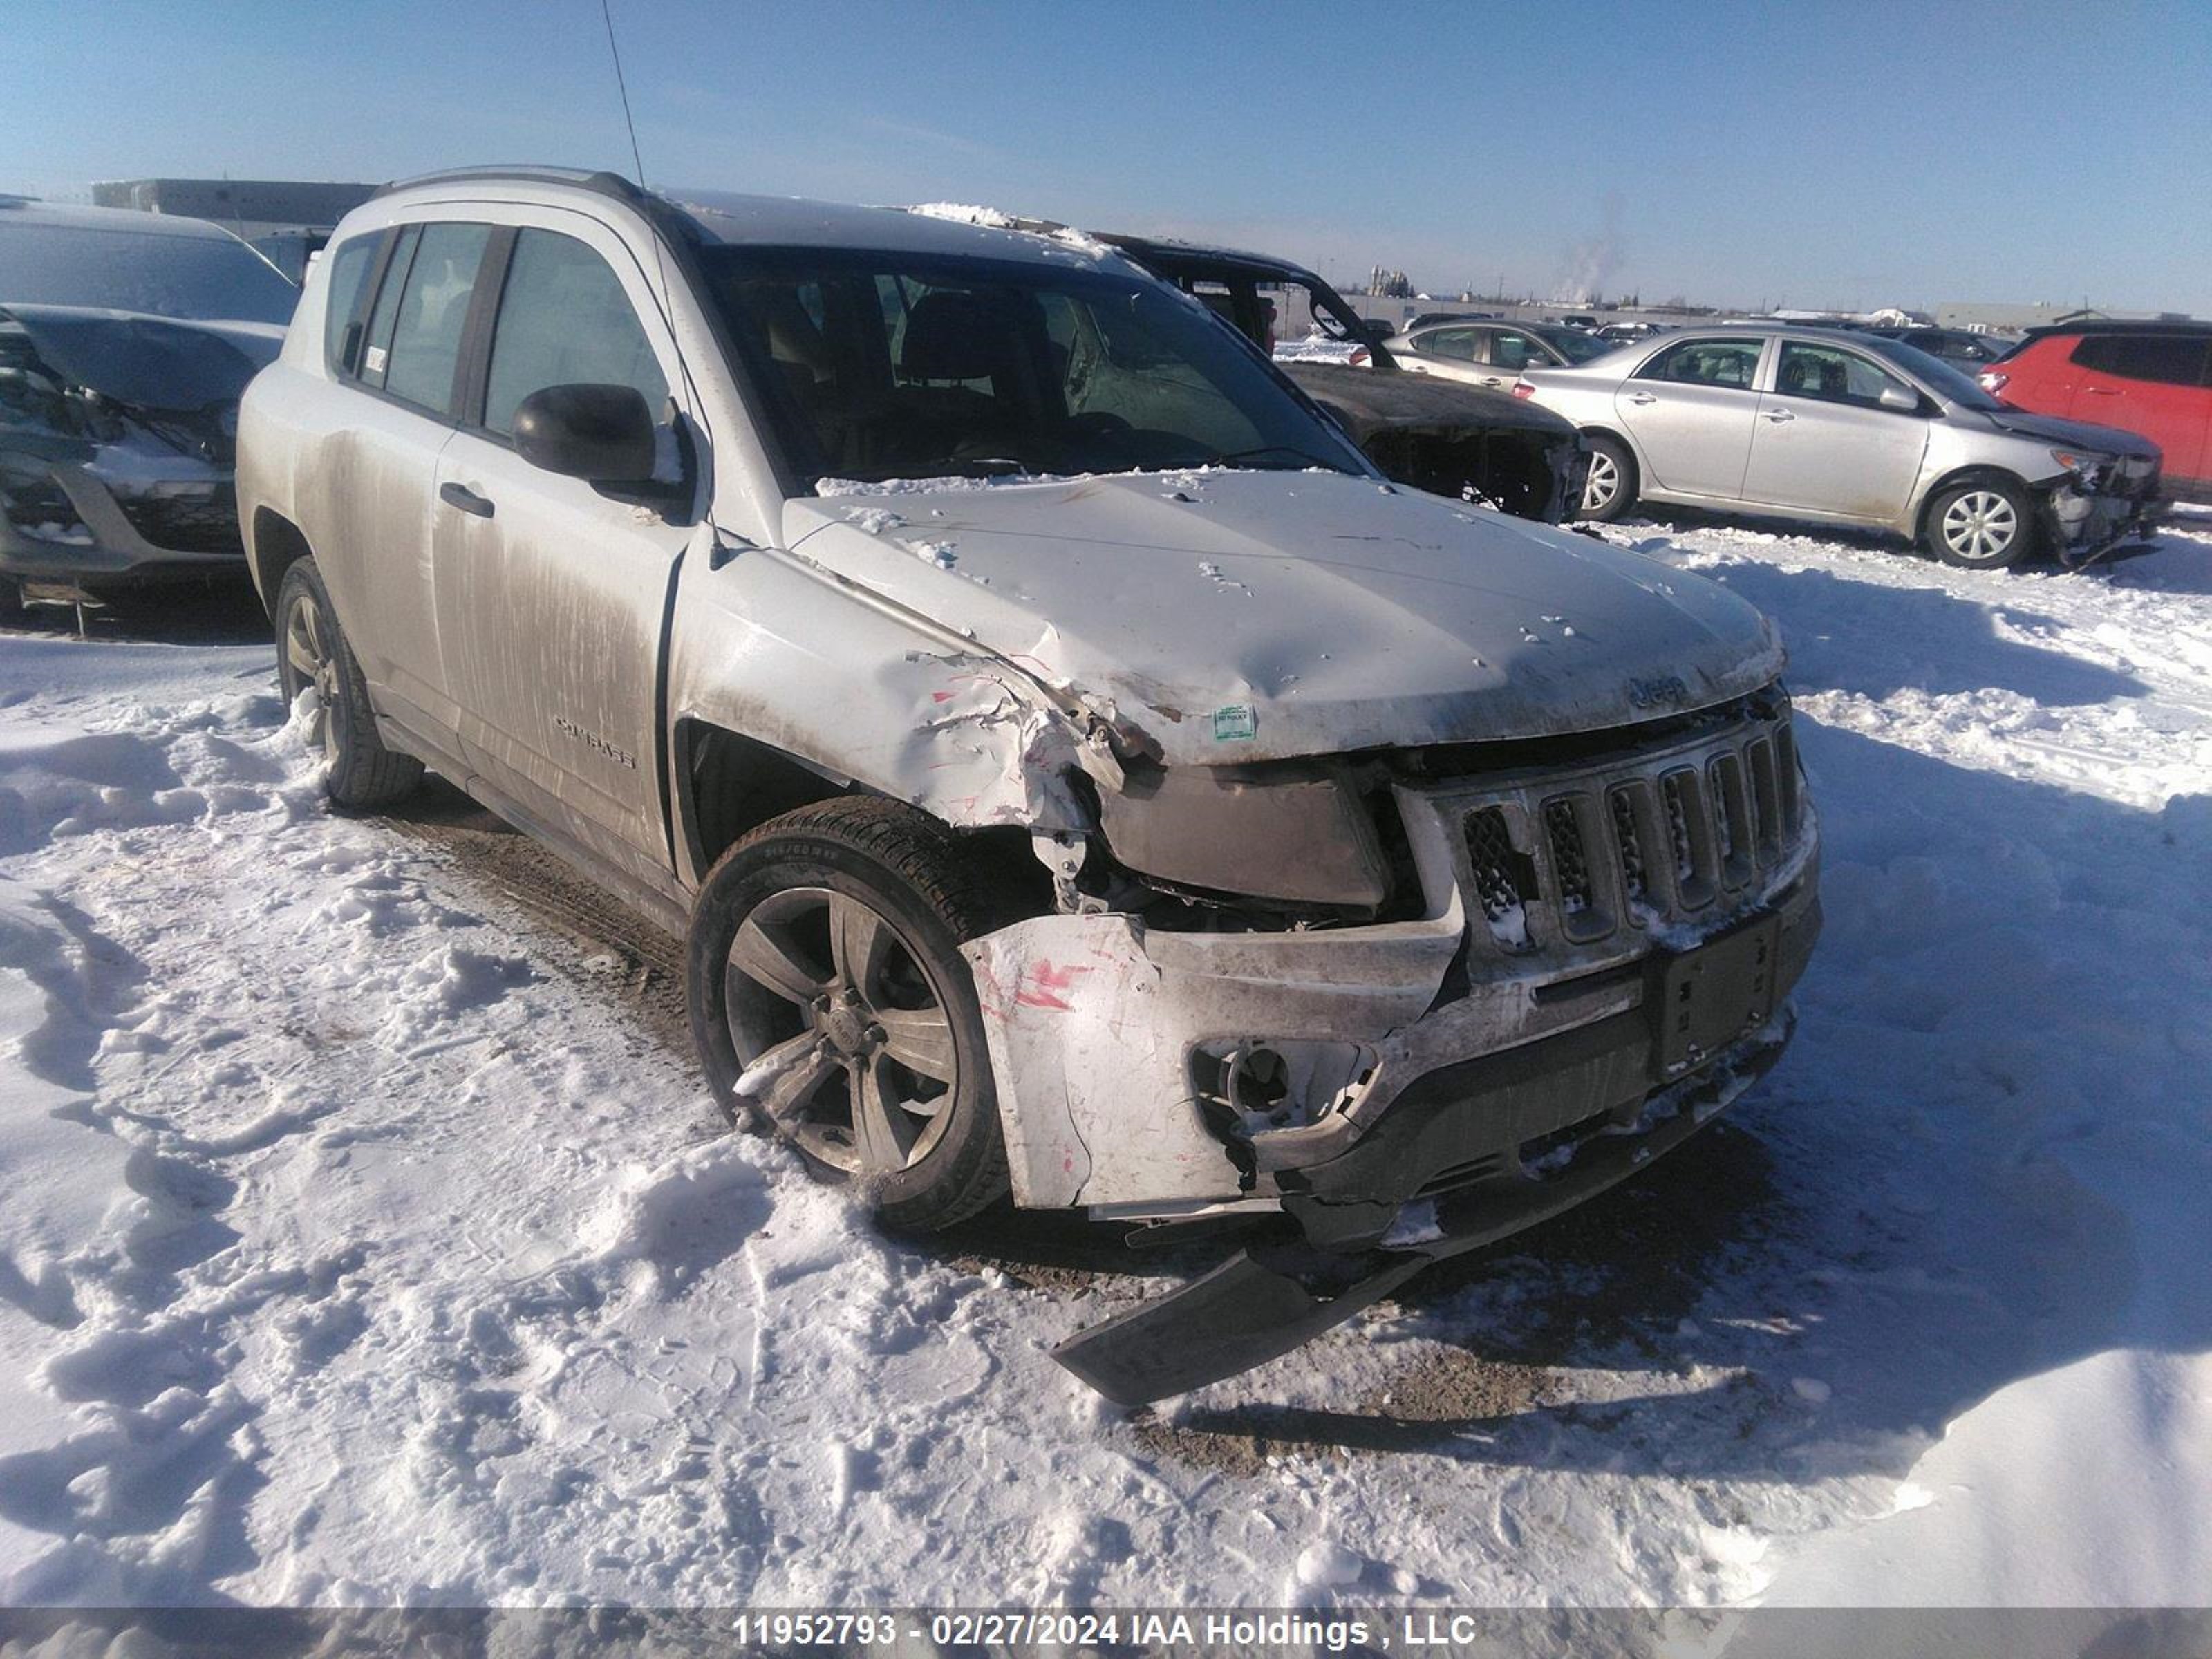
column 1234, row 617
column 160, row 364
column 2107, row 440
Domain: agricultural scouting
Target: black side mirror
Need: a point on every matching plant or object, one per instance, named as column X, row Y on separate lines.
column 600, row 434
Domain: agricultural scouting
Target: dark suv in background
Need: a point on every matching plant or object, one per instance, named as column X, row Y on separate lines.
column 1457, row 441
column 2151, row 377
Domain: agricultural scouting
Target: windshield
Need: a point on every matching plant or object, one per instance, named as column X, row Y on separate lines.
column 1574, row 345
column 1945, row 379
column 207, row 279
column 880, row 366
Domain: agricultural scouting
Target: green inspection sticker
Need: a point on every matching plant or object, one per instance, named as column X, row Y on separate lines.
column 1235, row 722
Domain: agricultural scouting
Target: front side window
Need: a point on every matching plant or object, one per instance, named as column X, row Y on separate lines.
column 425, row 348
column 563, row 318
column 1832, row 375
column 1514, row 352
column 1732, row 363
column 892, row 364
column 2168, row 359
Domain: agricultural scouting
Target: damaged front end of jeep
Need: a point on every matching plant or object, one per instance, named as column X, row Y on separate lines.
column 1389, row 1006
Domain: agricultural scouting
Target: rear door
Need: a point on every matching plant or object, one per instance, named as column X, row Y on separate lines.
column 2153, row 384
column 399, row 352
column 1690, row 408
column 551, row 595
column 1823, row 443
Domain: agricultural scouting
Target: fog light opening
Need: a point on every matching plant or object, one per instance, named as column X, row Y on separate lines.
column 1256, row 1085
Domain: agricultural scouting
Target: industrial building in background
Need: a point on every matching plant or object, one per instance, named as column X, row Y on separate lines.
column 288, row 220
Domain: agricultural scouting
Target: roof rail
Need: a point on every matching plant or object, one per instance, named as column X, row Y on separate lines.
column 605, row 183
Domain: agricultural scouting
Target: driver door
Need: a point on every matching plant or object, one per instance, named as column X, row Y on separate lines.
column 551, row 594
column 1824, row 443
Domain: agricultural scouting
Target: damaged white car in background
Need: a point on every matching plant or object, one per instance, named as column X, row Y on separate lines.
column 1080, row 777
column 125, row 341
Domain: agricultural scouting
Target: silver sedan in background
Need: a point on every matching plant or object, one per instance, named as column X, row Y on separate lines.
column 1492, row 353
column 1849, row 428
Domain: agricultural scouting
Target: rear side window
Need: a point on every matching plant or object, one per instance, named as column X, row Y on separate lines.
column 1449, row 343
column 376, row 344
column 1731, row 363
column 343, row 325
column 2170, row 359
column 434, row 308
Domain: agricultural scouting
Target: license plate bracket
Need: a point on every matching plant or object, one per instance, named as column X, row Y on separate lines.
column 1705, row 999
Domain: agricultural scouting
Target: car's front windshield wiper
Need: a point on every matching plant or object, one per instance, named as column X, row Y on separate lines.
column 1299, row 459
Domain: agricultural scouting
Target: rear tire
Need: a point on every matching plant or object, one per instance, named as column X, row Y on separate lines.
column 1987, row 524
column 1611, row 488
column 311, row 651
column 824, row 955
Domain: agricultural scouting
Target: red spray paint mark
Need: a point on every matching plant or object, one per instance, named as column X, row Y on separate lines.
column 1046, row 982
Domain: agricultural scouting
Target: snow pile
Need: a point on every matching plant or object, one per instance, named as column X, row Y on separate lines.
column 963, row 213
column 361, row 1246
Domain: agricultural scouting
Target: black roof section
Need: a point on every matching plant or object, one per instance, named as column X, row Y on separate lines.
column 2121, row 325
column 1146, row 250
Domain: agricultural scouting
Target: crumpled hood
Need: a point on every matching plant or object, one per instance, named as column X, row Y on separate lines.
column 1233, row 617
column 2107, row 440
column 164, row 364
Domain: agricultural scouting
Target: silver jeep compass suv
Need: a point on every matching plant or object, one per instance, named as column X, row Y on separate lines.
column 1080, row 776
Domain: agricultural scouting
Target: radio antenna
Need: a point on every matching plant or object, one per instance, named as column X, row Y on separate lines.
column 622, row 86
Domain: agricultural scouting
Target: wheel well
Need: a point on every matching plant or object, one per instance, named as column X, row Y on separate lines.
column 277, row 545
column 1616, row 436
column 1966, row 475
column 730, row 783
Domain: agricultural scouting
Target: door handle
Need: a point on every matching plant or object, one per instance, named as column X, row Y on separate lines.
column 1777, row 416
column 1492, row 380
column 467, row 500
column 1640, row 398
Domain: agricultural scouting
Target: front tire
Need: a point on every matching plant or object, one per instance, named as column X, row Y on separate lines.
column 312, row 652
column 831, row 1005
column 1610, row 489
column 1984, row 526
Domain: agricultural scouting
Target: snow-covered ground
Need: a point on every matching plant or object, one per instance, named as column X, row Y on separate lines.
column 358, row 1244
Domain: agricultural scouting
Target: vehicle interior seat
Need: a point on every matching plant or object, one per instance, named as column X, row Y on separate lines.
column 956, row 344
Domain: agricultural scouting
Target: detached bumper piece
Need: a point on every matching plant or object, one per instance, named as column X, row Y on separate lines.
column 1266, row 1300
column 2114, row 524
column 1254, row 1307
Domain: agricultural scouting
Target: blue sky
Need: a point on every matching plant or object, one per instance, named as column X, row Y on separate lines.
column 1805, row 154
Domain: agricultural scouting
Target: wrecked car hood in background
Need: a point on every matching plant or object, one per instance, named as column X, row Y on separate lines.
column 163, row 364
column 1368, row 401
column 1224, row 617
